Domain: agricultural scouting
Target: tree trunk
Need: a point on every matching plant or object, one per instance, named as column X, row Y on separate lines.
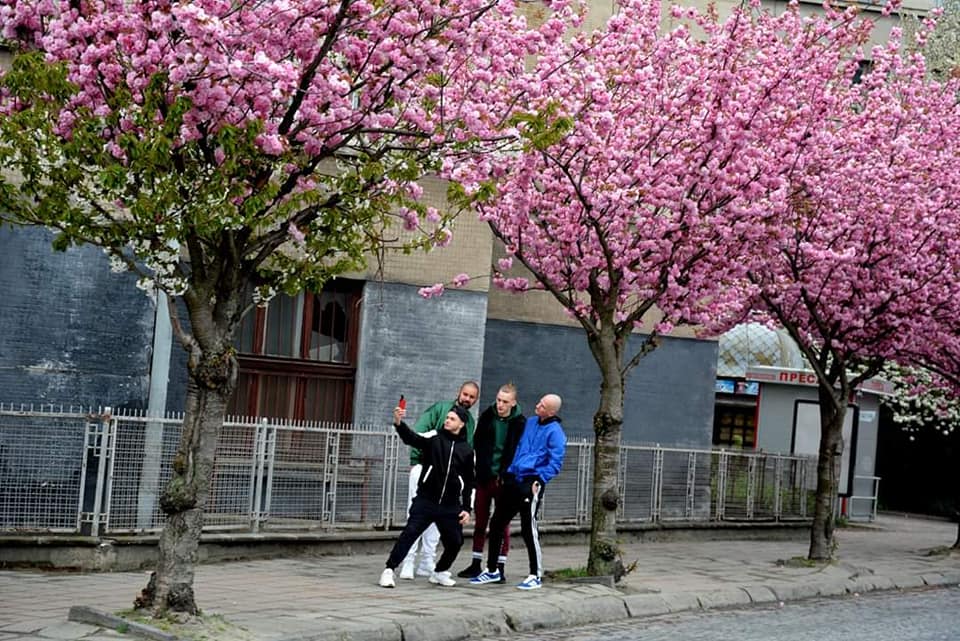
column 833, row 410
column 211, row 382
column 604, row 558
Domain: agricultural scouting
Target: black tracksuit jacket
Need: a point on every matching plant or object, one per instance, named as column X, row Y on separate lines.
column 448, row 475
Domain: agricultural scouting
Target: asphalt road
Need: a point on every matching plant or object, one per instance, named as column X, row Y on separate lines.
column 922, row 615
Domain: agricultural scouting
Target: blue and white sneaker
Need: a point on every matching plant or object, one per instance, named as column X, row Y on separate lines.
column 486, row 577
column 532, row 582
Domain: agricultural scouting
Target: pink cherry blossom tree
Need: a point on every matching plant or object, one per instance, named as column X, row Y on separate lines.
column 864, row 257
column 226, row 150
column 640, row 166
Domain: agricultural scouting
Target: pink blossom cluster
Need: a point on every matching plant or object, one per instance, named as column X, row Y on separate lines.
column 315, row 74
column 433, row 291
column 864, row 264
column 673, row 159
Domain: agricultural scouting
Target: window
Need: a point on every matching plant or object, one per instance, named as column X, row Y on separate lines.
column 298, row 356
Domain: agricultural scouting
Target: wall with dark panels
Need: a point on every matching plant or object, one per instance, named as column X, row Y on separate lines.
column 669, row 397
column 421, row 348
column 71, row 331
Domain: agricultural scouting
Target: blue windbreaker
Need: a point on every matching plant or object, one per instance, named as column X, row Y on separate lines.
column 540, row 451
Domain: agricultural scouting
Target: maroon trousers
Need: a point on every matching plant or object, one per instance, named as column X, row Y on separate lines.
column 486, row 493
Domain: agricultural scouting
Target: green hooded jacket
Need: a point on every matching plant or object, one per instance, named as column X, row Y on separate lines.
column 432, row 419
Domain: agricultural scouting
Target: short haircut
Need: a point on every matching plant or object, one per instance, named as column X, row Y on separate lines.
column 475, row 385
column 509, row 388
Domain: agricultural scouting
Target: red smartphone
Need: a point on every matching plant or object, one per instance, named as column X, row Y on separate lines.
column 403, row 403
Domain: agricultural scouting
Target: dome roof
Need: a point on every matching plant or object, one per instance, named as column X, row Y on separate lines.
column 756, row 344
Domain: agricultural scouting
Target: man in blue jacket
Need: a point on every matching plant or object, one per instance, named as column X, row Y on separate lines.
column 538, row 459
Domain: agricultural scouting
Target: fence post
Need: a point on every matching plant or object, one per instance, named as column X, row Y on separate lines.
column 270, row 455
column 657, row 485
column 721, row 484
column 391, row 467
column 691, row 484
column 148, row 487
column 622, row 483
column 256, row 474
column 333, row 471
column 98, row 449
column 778, row 489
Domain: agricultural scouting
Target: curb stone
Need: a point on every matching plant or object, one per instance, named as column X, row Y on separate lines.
column 838, row 587
column 795, row 591
column 384, row 632
column 952, row 576
column 874, row 583
column 645, row 605
column 86, row 614
column 723, row 598
column 487, row 623
column 907, row 581
column 435, row 629
column 760, row 593
column 572, row 613
column 682, row 601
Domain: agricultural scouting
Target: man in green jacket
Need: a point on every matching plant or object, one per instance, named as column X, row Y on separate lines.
column 431, row 420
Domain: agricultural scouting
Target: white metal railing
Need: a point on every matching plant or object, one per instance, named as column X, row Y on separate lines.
column 103, row 471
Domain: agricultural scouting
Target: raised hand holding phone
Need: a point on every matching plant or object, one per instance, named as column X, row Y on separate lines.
column 400, row 410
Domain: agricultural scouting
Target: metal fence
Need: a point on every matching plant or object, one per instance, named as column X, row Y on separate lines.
column 72, row 471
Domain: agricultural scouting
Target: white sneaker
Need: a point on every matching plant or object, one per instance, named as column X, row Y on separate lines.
column 386, row 579
column 442, row 578
column 406, row 572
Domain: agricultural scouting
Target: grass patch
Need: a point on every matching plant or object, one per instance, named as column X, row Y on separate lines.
column 203, row 627
column 797, row 562
column 943, row 550
column 567, row 573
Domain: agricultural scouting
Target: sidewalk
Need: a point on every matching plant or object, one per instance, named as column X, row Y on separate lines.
column 338, row 598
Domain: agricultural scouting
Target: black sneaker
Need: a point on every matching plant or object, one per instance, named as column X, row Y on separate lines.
column 470, row 571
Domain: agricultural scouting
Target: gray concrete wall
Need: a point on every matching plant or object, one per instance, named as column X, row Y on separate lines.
column 72, row 331
column 421, row 348
column 669, row 395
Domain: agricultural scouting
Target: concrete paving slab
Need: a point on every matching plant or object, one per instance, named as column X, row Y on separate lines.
column 66, row 631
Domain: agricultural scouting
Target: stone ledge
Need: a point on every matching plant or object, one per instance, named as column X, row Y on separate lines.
column 92, row 616
column 138, row 551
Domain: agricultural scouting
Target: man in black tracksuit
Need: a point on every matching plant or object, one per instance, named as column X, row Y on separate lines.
column 443, row 492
